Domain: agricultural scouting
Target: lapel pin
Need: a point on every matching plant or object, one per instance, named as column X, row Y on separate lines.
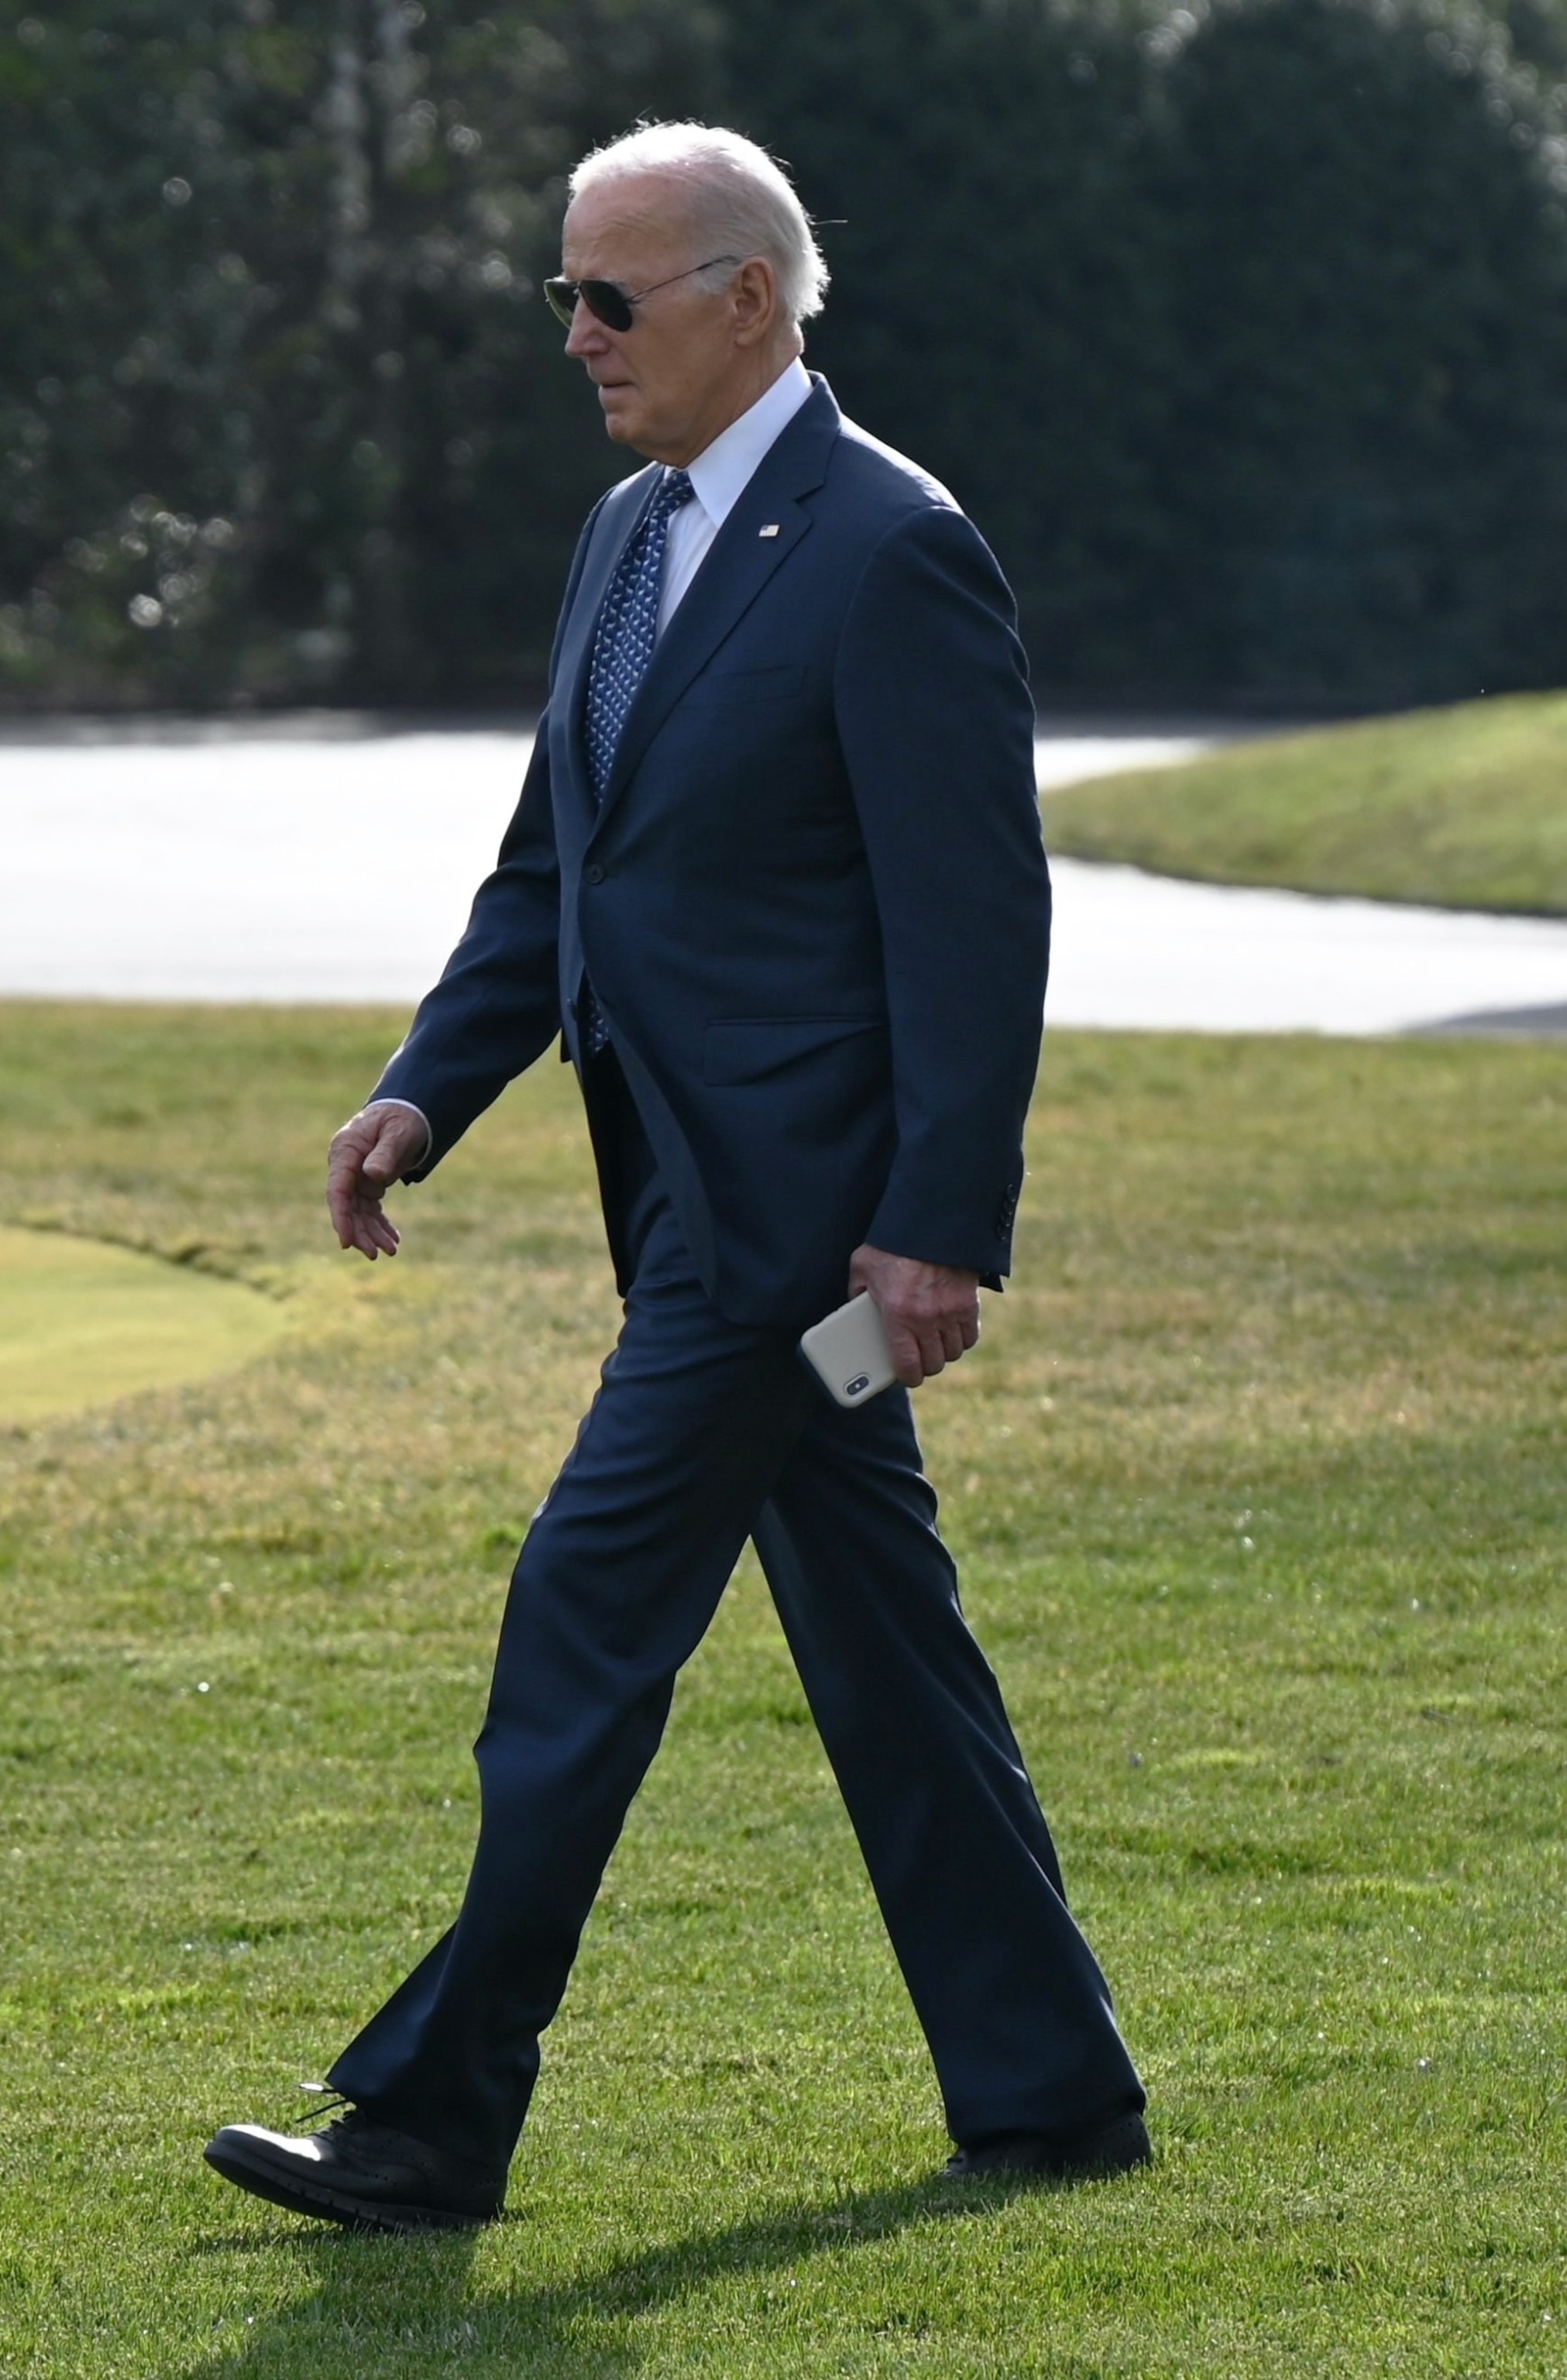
column 770, row 530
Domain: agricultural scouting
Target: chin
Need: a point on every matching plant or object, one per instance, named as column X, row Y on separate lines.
column 621, row 422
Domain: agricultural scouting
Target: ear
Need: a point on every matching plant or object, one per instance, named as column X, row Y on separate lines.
column 753, row 294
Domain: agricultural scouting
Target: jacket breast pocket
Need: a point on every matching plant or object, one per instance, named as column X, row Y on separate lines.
column 754, row 1049
column 723, row 690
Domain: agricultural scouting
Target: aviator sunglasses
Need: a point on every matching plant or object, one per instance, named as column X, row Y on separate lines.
column 607, row 301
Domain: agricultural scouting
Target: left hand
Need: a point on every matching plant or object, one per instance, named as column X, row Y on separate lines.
column 930, row 1312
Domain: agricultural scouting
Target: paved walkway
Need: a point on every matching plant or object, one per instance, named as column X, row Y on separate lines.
column 336, row 865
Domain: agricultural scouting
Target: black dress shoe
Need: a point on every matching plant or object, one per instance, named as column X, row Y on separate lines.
column 359, row 2172
column 1109, row 2149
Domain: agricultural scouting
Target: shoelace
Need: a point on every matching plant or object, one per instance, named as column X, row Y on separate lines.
column 335, row 2110
column 349, row 2121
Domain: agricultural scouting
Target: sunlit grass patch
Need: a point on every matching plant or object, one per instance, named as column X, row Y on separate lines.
column 83, row 1323
column 1463, row 808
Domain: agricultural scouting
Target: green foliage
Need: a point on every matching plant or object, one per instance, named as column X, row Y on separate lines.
column 1460, row 807
column 1239, row 327
column 1002, row 303
column 1256, row 1480
column 1366, row 465
column 283, row 411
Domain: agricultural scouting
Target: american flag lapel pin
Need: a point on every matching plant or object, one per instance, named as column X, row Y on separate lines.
column 769, row 530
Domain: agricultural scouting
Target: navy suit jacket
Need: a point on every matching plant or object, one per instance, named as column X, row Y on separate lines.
column 813, row 903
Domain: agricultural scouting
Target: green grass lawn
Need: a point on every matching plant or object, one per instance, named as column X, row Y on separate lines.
column 1258, row 1482
column 1465, row 808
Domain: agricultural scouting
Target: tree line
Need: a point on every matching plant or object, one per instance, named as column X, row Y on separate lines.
column 1239, row 327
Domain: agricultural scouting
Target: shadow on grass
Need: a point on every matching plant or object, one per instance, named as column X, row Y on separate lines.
column 384, row 2306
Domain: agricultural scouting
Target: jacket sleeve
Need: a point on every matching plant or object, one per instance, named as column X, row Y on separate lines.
column 937, row 728
column 497, row 1005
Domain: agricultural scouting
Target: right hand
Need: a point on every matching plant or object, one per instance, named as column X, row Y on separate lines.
column 930, row 1312
column 370, row 1152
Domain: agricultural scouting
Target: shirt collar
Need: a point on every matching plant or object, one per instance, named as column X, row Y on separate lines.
column 722, row 471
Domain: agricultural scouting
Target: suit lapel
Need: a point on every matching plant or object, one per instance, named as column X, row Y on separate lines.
column 736, row 569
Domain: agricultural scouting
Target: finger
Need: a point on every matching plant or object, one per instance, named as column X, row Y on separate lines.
column 374, row 1218
column 971, row 1327
column 343, row 1159
column 905, row 1350
column 344, row 1222
column 361, row 1222
column 952, row 1340
column 343, row 1176
column 353, row 1231
column 346, row 1206
column 350, row 1141
column 932, row 1355
column 383, row 1160
column 380, row 1231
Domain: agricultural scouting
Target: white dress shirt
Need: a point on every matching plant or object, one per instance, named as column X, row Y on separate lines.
column 720, row 474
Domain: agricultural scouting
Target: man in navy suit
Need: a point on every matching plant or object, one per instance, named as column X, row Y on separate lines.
column 776, row 876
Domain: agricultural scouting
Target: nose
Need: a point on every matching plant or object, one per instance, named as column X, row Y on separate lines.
column 586, row 337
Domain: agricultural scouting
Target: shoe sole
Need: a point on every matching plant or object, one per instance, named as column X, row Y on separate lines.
column 285, row 2189
column 1120, row 2149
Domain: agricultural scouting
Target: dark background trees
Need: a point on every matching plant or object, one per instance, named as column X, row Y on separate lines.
column 1240, row 330
column 285, row 414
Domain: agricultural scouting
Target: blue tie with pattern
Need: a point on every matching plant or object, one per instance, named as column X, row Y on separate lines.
column 623, row 646
column 623, row 643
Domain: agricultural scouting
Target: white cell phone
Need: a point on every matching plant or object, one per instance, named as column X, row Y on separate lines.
column 848, row 1351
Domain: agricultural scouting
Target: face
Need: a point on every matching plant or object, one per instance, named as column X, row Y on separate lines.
column 685, row 367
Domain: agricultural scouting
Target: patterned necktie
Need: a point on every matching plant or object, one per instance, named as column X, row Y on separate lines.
column 623, row 646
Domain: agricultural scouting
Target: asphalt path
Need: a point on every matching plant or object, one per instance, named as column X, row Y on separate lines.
column 320, row 860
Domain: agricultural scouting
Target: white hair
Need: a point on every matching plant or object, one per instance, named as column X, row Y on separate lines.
column 741, row 201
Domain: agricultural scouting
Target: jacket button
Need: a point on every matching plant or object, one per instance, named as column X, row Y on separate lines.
column 593, row 872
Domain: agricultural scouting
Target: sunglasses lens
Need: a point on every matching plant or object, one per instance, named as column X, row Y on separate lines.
column 611, row 305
